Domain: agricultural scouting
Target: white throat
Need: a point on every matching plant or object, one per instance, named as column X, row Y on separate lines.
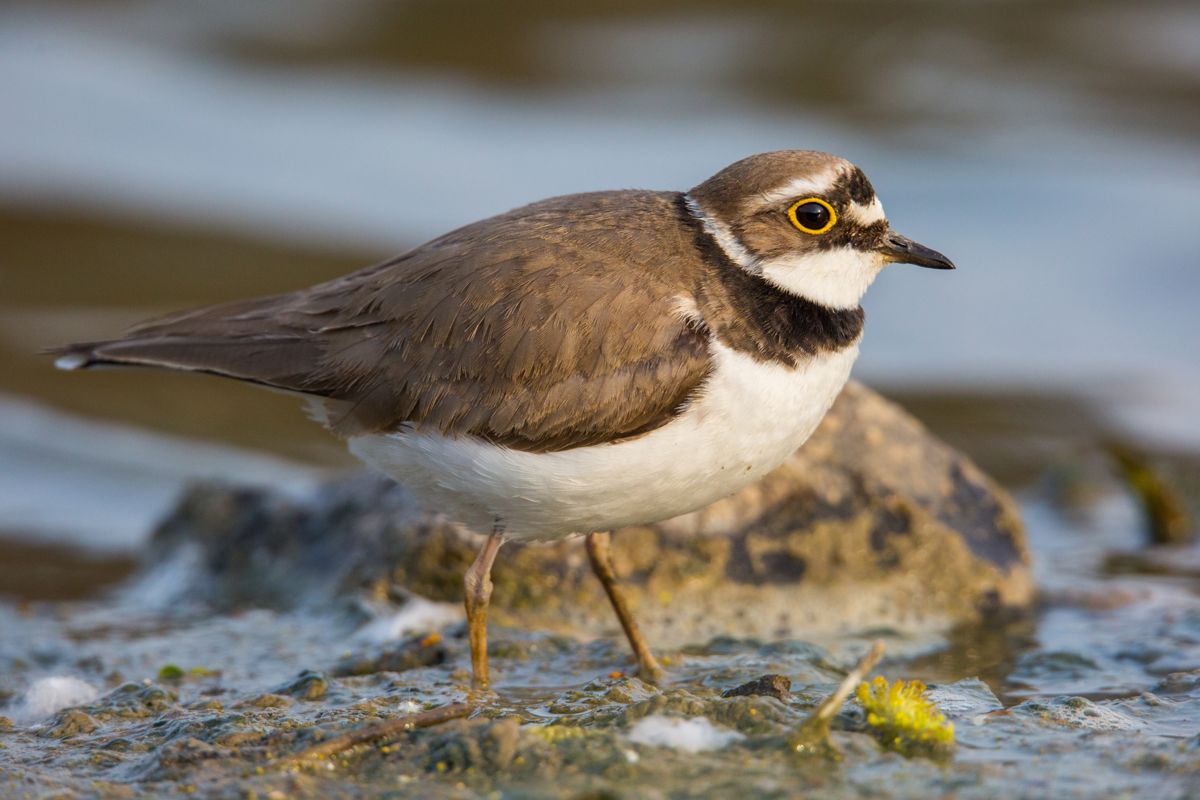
column 836, row 278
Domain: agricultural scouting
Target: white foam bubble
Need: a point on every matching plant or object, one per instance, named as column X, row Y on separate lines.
column 49, row 695
column 418, row 615
column 692, row 735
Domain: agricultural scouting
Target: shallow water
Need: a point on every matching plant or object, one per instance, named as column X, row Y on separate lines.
column 1096, row 693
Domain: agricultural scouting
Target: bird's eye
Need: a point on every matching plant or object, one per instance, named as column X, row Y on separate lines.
column 812, row 215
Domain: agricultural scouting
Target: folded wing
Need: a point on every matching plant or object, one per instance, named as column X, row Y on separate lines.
column 550, row 327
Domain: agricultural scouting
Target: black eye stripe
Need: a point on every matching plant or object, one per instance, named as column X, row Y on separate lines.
column 859, row 237
column 853, row 187
column 858, row 187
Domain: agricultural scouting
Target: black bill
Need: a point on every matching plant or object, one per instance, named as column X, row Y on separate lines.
column 903, row 250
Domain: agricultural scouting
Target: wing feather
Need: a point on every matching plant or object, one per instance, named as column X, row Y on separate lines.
column 518, row 329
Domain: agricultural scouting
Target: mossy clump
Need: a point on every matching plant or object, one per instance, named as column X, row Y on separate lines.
column 553, row 734
column 903, row 719
column 171, row 672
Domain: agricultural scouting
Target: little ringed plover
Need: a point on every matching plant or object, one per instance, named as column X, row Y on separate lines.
column 579, row 364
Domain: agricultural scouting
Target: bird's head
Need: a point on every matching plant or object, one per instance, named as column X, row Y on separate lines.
column 808, row 222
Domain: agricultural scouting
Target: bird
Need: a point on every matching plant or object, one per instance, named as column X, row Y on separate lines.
column 576, row 365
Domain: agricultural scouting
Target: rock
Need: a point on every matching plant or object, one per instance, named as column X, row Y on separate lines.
column 266, row 700
column 1077, row 712
column 1174, row 683
column 485, row 746
column 874, row 522
column 70, row 722
column 411, row 653
column 308, row 685
column 777, row 686
column 132, row 701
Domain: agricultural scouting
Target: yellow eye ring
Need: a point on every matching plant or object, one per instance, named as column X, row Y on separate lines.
column 830, row 216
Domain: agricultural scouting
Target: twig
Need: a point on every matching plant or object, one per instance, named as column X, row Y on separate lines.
column 830, row 705
column 813, row 733
column 381, row 730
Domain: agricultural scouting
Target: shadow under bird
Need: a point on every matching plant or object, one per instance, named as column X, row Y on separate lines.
column 577, row 365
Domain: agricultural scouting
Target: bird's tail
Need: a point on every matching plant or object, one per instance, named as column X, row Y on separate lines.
column 239, row 341
column 273, row 361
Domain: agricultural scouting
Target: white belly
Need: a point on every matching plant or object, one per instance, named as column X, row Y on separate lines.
column 749, row 417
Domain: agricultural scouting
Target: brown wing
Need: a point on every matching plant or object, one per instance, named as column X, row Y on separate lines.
column 546, row 328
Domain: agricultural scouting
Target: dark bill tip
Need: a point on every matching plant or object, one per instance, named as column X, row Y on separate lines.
column 903, row 250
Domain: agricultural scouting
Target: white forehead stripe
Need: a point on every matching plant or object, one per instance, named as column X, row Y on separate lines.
column 724, row 237
column 867, row 214
column 798, row 187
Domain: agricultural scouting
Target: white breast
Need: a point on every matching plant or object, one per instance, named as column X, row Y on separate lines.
column 748, row 418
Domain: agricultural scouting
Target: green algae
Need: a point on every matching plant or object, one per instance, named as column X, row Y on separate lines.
column 904, row 719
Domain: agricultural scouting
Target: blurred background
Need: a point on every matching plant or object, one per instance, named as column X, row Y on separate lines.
column 156, row 155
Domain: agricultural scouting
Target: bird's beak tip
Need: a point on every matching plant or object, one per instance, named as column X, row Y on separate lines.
column 903, row 250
